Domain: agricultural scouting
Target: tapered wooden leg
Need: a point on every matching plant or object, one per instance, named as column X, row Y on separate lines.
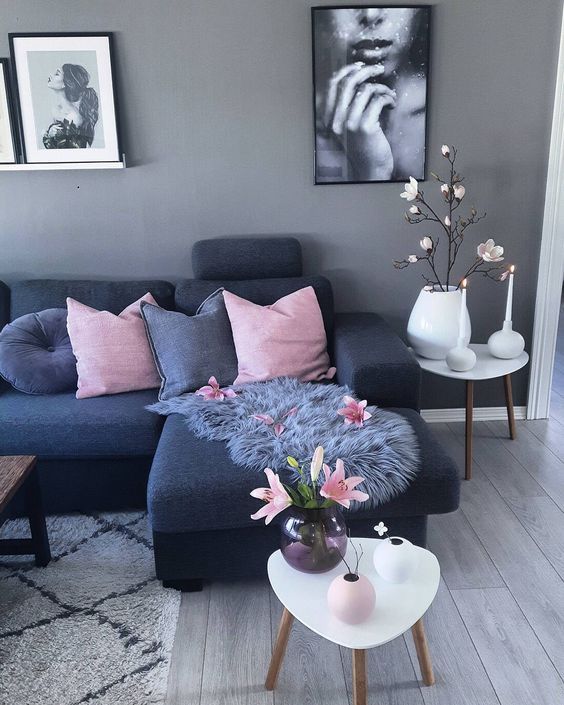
column 279, row 649
column 509, row 404
column 469, row 421
column 359, row 676
column 423, row 652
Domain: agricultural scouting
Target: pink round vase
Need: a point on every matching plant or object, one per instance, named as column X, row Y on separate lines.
column 351, row 598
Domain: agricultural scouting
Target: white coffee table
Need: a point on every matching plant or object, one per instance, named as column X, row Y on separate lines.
column 398, row 608
column 487, row 367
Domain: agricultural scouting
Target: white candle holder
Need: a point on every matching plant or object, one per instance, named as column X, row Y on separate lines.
column 506, row 343
column 461, row 358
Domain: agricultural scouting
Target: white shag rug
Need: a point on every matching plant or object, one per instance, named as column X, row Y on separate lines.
column 94, row 626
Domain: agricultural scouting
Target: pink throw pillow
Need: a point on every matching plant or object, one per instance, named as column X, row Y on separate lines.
column 285, row 339
column 112, row 352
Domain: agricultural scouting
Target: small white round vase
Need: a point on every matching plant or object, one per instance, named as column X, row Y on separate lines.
column 506, row 343
column 461, row 358
column 432, row 329
column 395, row 559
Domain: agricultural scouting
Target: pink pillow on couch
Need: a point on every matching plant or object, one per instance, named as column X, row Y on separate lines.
column 113, row 353
column 285, row 339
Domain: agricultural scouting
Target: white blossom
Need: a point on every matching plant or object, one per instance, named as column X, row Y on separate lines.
column 445, row 149
column 412, row 259
column 411, row 190
column 381, row 529
column 490, row 252
column 459, row 191
column 426, row 243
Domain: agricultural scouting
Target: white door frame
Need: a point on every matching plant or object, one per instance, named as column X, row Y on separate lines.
column 551, row 263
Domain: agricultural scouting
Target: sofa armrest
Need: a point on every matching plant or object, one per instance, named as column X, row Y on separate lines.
column 374, row 362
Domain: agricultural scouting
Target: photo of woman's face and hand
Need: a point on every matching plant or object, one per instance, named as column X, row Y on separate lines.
column 365, row 105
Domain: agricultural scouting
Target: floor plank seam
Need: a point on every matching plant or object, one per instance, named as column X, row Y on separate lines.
column 205, row 646
column 475, row 647
column 537, row 637
column 508, row 447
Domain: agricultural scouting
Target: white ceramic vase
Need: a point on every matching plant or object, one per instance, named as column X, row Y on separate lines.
column 351, row 598
column 432, row 329
column 506, row 343
column 395, row 559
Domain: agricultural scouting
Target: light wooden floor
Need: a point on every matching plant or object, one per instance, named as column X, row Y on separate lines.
column 495, row 630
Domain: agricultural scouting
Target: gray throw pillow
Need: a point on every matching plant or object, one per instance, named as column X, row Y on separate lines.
column 188, row 350
column 36, row 355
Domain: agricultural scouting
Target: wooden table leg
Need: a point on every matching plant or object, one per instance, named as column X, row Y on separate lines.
column 36, row 516
column 359, row 676
column 509, row 404
column 422, row 650
column 279, row 649
column 469, row 421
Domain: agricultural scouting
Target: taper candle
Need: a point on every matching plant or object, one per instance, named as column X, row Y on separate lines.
column 462, row 317
column 509, row 304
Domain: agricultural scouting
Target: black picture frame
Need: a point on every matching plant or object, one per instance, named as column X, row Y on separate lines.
column 86, row 153
column 10, row 113
column 419, row 51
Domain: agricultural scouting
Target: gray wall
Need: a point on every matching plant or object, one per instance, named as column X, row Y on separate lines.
column 216, row 109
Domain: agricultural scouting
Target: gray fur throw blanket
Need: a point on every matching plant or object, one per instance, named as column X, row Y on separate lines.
column 384, row 449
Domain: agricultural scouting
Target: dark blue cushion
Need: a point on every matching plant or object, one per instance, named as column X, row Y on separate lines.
column 194, row 485
column 61, row 426
column 188, row 350
column 114, row 296
column 36, row 355
column 247, row 258
column 191, row 292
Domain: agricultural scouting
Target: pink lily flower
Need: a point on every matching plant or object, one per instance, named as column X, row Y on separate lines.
column 340, row 488
column 275, row 496
column 354, row 411
column 277, row 426
column 212, row 390
column 265, row 418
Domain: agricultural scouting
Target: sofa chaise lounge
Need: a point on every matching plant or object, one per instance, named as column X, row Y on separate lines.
column 110, row 453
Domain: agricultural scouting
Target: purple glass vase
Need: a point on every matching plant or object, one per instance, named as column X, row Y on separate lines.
column 313, row 540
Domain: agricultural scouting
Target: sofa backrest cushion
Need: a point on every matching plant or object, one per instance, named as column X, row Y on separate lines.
column 190, row 293
column 114, row 296
column 247, row 258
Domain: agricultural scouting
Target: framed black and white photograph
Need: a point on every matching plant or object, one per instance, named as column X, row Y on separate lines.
column 370, row 78
column 8, row 154
column 66, row 97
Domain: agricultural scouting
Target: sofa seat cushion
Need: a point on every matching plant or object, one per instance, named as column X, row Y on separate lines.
column 61, row 426
column 194, row 485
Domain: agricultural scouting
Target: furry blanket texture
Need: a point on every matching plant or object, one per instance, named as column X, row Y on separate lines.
column 384, row 450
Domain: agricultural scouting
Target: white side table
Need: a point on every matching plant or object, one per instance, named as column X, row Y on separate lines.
column 487, row 367
column 398, row 608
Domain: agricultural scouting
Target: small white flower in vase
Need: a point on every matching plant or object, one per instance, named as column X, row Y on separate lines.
column 395, row 558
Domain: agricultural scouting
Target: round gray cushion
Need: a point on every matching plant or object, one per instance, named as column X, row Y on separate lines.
column 36, row 355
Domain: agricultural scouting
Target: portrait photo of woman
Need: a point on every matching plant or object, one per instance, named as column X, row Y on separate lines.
column 370, row 92
column 66, row 96
column 74, row 110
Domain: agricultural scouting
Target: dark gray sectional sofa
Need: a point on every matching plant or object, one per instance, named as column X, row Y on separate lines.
column 110, row 453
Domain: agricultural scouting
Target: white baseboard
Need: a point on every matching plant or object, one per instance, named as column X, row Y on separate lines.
column 484, row 413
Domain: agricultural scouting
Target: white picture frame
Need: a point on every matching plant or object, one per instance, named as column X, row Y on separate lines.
column 65, row 89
